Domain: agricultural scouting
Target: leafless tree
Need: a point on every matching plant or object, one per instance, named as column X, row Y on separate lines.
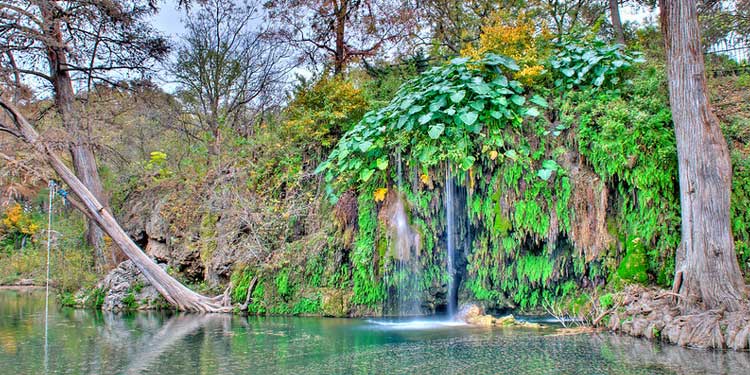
column 451, row 25
column 227, row 69
column 340, row 31
column 566, row 16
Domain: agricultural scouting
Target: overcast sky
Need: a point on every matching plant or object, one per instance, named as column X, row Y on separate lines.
column 169, row 19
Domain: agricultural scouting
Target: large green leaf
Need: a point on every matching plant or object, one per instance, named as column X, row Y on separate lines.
column 425, row 118
column 550, row 164
column 382, row 163
column 436, row 131
column 518, row 100
column 493, row 59
column 480, row 88
column 365, row 146
column 467, row 162
column 469, row 118
column 365, row 174
column 477, row 105
column 544, row 174
column 538, row 100
column 532, row 112
column 458, row 96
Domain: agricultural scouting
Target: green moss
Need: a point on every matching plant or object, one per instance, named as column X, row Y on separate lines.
column 95, row 298
column 536, row 270
column 367, row 290
column 283, row 288
column 606, row 301
column 257, row 303
column 130, row 301
column 307, row 306
column 67, row 299
column 633, row 267
column 240, row 279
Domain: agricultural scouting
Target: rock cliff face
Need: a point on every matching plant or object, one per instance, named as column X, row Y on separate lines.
column 175, row 231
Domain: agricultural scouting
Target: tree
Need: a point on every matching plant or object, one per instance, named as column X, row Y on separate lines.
column 227, row 69
column 341, row 30
column 452, row 25
column 566, row 16
column 614, row 13
column 707, row 271
column 14, row 123
column 70, row 45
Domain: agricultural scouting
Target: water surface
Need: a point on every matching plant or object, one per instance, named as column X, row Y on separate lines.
column 88, row 342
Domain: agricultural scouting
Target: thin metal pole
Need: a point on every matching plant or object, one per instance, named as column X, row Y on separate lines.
column 46, row 296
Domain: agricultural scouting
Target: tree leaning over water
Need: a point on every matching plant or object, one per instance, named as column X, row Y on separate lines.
column 71, row 46
column 184, row 299
column 707, row 272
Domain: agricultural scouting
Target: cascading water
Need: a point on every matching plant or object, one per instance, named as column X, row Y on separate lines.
column 407, row 267
column 404, row 244
column 450, row 229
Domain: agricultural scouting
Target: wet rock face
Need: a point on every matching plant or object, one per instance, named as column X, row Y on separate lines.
column 127, row 289
column 336, row 303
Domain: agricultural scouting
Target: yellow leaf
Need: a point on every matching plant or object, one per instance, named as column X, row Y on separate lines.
column 493, row 155
column 425, row 178
column 379, row 194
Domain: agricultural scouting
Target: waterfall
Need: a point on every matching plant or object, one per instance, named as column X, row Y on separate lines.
column 450, row 229
column 407, row 267
column 405, row 241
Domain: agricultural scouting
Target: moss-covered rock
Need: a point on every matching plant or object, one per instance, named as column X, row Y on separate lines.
column 335, row 302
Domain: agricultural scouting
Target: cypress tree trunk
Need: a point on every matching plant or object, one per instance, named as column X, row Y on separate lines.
column 707, row 273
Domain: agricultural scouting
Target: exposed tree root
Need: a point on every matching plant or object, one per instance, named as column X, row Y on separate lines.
column 654, row 314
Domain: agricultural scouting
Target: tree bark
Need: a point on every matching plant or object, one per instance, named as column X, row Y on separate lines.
column 707, row 271
column 84, row 161
column 614, row 11
column 340, row 9
column 175, row 293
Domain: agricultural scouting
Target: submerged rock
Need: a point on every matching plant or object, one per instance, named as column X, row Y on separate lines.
column 126, row 288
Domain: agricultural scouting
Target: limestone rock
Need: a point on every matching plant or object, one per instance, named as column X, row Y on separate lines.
column 474, row 315
column 127, row 289
column 335, row 303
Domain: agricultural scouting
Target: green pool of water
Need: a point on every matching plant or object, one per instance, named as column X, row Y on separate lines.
column 88, row 342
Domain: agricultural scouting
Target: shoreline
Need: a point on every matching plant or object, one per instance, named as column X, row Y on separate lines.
column 21, row 287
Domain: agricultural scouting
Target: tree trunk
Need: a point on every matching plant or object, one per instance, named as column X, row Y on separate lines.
column 614, row 10
column 707, row 271
column 340, row 27
column 175, row 293
column 84, row 162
